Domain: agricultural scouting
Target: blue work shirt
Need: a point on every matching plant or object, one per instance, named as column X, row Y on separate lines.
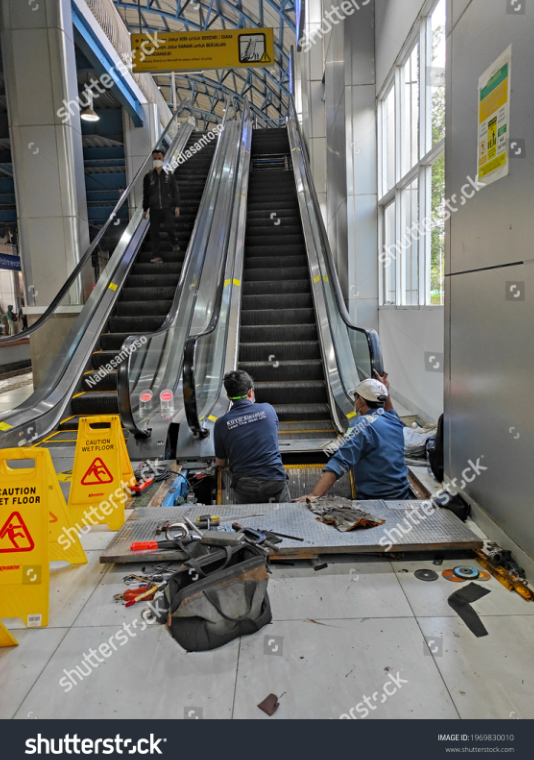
column 375, row 454
column 247, row 436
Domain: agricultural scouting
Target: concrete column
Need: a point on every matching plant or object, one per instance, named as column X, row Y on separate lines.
column 40, row 73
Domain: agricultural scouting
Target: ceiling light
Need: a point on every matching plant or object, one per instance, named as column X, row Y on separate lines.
column 88, row 114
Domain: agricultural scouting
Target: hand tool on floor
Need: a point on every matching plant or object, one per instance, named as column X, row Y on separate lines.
column 132, row 593
column 146, row 594
column 282, row 535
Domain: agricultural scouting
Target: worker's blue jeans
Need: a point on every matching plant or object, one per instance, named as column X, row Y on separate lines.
column 256, row 491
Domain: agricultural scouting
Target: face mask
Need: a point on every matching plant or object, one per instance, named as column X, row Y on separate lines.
column 157, row 164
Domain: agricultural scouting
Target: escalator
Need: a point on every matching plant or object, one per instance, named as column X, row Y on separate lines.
column 283, row 320
column 279, row 343
column 132, row 297
column 146, row 297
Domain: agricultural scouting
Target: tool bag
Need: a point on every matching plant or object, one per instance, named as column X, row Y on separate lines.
column 216, row 598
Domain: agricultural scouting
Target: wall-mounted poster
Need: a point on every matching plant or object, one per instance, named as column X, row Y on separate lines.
column 494, row 119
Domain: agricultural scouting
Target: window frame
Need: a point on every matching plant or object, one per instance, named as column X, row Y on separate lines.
column 428, row 154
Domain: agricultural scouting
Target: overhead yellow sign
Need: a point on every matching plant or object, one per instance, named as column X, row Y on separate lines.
column 213, row 49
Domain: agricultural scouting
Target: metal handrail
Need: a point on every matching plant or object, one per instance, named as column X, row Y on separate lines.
column 123, row 370
column 6, row 340
column 373, row 341
column 190, row 401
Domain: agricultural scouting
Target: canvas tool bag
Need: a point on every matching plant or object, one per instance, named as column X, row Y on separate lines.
column 216, row 598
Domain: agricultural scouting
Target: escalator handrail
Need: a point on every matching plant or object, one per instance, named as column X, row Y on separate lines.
column 190, row 402
column 373, row 341
column 123, row 369
column 6, row 340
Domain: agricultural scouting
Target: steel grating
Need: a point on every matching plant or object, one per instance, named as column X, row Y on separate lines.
column 441, row 529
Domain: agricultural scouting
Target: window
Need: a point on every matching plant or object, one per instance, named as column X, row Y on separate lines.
column 412, row 168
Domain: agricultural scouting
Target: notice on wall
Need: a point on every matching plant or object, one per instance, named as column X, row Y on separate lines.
column 494, row 119
column 213, row 49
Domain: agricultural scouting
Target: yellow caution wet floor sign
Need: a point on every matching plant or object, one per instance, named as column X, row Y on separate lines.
column 24, row 538
column 101, row 471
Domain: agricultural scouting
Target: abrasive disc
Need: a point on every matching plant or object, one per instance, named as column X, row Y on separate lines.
column 426, row 575
column 466, row 572
column 483, row 576
column 450, row 576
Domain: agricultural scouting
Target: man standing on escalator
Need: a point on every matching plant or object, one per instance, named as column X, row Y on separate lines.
column 161, row 196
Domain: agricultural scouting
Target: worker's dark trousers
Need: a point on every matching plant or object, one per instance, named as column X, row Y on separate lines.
column 256, row 491
column 159, row 216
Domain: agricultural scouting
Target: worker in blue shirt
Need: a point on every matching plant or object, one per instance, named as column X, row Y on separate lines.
column 246, row 438
column 373, row 450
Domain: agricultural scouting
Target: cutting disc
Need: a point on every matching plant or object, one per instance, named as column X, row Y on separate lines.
column 450, row 576
column 466, row 572
column 483, row 576
column 426, row 575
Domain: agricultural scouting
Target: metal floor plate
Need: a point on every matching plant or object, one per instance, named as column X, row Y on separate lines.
column 441, row 529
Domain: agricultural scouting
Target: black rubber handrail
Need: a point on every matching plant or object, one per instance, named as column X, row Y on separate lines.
column 123, row 369
column 190, row 400
column 6, row 340
column 373, row 341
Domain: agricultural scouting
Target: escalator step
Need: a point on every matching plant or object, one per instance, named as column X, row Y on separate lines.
column 112, row 342
column 301, row 425
column 277, row 317
column 146, row 324
column 106, row 383
column 298, row 412
column 259, row 240
column 277, row 301
column 138, row 308
column 102, row 358
column 276, row 262
column 266, row 251
column 279, row 370
column 151, row 281
column 276, row 333
column 148, row 294
column 71, row 423
column 96, row 402
column 296, row 273
column 273, row 230
column 280, row 351
column 303, row 392
column 273, row 287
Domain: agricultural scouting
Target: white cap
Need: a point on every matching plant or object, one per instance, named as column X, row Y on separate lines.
column 371, row 390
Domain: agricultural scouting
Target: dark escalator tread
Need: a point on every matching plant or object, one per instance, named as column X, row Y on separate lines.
column 147, row 294
column 290, row 259
column 162, row 268
column 147, row 323
column 106, row 383
column 280, row 351
column 151, row 281
column 71, row 423
column 277, row 301
column 276, row 333
column 278, row 369
column 301, row 425
column 138, row 308
column 113, row 341
column 274, row 287
column 253, row 240
column 277, row 317
column 292, row 392
column 95, row 402
column 298, row 412
column 293, row 273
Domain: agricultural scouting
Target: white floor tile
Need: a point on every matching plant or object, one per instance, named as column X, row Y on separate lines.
column 491, row 677
column 364, row 590
column 321, row 671
column 429, row 599
column 21, row 666
column 149, row 677
column 70, row 588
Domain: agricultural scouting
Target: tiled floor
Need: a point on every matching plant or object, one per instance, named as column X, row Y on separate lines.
column 338, row 636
